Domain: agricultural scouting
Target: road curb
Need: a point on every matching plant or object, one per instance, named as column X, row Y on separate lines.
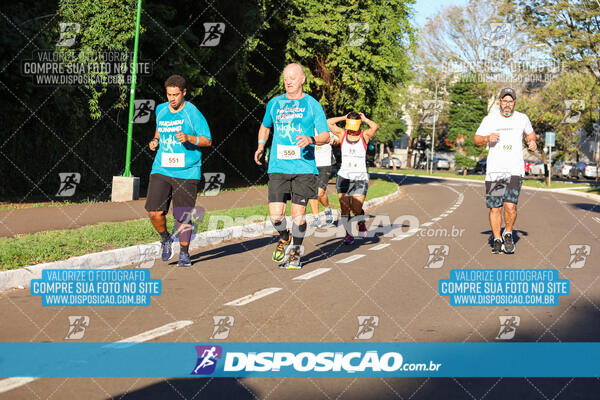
column 147, row 253
column 590, row 196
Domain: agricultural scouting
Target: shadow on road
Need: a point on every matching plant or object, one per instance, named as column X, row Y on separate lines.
column 586, row 206
column 516, row 235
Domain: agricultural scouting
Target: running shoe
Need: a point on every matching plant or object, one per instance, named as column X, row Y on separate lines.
column 315, row 223
column 349, row 239
column 184, row 260
column 328, row 217
column 497, row 248
column 166, row 250
column 280, row 250
column 509, row 243
column 293, row 259
column 362, row 228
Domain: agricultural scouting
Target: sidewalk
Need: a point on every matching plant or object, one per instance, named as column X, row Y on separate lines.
column 32, row 220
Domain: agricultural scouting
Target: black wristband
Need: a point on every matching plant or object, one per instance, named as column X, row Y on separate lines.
column 313, row 140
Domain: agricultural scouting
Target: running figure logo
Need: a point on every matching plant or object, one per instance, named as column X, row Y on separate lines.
column 572, row 111
column 431, row 111
column 579, row 254
column 68, row 33
column 223, row 324
column 499, row 183
column 142, row 109
column 437, row 255
column 213, row 181
column 77, row 326
column 366, row 326
column 357, row 33
column 499, row 32
column 207, row 359
column 508, row 327
column 147, row 255
column 212, row 33
column 187, row 219
column 68, row 183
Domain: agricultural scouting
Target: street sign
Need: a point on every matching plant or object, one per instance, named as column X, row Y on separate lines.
column 550, row 139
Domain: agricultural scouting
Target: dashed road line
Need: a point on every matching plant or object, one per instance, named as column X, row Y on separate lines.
column 380, row 246
column 252, row 297
column 350, row 259
column 311, row 274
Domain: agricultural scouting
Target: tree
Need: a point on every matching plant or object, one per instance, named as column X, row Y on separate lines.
column 570, row 28
column 473, row 39
column 468, row 107
column 355, row 55
column 566, row 106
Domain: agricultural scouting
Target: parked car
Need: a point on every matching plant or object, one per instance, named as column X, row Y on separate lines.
column 561, row 169
column 584, row 170
column 441, row 163
column 537, row 169
column 566, row 168
column 528, row 164
column 386, row 163
column 481, row 166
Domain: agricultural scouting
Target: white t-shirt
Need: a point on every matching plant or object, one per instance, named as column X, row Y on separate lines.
column 323, row 155
column 506, row 155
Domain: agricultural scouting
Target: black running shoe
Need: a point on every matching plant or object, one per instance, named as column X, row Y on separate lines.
column 509, row 243
column 497, row 248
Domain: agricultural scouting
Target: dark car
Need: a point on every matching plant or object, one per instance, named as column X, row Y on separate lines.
column 584, row 170
column 481, row 166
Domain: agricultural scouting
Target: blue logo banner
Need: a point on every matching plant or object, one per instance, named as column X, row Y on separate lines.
column 300, row 359
column 504, row 287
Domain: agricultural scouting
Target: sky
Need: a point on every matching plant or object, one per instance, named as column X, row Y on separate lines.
column 428, row 8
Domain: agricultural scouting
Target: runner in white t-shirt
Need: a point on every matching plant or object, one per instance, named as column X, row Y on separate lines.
column 505, row 169
column 325, row 160
column 353, row 178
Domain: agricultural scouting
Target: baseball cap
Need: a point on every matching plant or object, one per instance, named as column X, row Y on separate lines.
column 508, row 92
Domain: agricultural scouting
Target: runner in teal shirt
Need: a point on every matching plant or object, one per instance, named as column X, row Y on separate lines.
column 175, row 159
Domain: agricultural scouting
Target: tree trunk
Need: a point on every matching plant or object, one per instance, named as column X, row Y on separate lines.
column 389, row 152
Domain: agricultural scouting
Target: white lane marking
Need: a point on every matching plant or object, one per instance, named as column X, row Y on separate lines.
column 427, row 224
column 405, row 235
column 445, row 214
column 596, row 219
column 13, row 383
column 254, row 296
column 436, row 218
column 157, row 332
column 311, row 274
column 380, row 246
column 350, row 259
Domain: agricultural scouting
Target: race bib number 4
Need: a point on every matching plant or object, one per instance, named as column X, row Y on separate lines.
column 173, row 160
column 288, row 152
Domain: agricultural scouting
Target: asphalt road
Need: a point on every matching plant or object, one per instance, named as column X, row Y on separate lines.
column 377, row 276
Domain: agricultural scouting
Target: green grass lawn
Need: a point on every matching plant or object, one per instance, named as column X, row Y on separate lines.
column 531, row 182
column 30, row 249
column 594, row 190
column 10, row 206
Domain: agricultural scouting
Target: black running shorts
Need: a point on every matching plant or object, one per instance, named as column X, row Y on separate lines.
column 297, row 187
column 162, row 189
column 323, row 178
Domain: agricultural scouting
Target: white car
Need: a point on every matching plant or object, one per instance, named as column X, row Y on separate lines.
column 537, row 169
column 441, row 163
column 566, row 168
